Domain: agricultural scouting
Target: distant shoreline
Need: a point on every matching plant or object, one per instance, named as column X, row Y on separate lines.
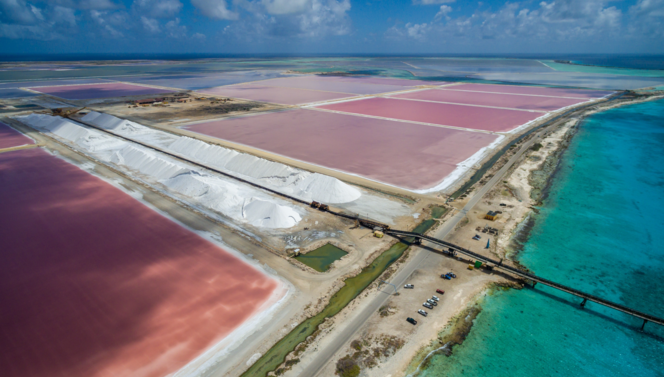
column 569, row 62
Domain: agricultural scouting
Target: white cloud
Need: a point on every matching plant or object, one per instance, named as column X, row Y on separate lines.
column 109, row 21
column 18, row 12
column 64, row 15
column 158, row 8
column 215, row 9
column 150, row 24
column 554, row 20
column 443, row 12
column 302, row 19
column 97, row 5
column 431, row 2
column 286, row 6
column 647, row 19
column 417, row 31
column 174, row 29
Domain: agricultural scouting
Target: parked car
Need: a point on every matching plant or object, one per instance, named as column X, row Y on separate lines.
column 409, row 286
column 427, row 305
column 445, row 276
column 442, row 292
column 452, row 274
column 422, row 312
column 435, row 298
column 411, row 320
column 432, row 302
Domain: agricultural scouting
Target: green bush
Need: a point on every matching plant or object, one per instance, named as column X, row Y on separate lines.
column 347, row 367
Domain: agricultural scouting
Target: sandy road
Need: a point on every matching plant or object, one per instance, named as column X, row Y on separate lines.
column 341, row 337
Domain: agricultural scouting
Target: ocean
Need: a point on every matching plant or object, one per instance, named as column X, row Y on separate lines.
column 599, row 230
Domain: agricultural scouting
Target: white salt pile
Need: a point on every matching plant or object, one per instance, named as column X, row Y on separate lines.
column 269, row 215
column 277, row 176
column 326, row 189
column 194, row 185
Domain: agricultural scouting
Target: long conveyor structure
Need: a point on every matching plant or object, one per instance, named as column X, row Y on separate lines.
column 534, row 278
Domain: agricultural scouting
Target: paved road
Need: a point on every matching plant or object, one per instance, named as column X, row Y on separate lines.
column 340, row 338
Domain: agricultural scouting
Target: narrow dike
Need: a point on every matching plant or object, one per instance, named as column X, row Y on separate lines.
column 276, row 355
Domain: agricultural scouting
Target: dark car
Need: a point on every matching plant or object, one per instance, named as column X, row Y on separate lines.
column 452, row 274
column 411, row 320
column 440, row 291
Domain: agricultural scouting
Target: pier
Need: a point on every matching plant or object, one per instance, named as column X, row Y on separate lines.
column 534, row 278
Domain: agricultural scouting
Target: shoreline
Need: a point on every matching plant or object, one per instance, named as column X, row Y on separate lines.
column 516, row 234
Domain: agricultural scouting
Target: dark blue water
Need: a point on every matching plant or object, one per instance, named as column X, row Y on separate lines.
column 601, row 230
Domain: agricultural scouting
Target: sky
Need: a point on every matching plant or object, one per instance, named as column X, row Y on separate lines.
column 331, row 26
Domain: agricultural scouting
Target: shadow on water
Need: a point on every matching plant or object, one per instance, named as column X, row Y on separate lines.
column 635, row 325
column 351, row 289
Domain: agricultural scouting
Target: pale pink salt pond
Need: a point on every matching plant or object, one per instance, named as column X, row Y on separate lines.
column 531, row 90
column 406, row 155
column 492, row 99
column 472, row 117
column 331, row 84
column 274, row 94
column 93, row 91
column 95, row 284
column 9, row 137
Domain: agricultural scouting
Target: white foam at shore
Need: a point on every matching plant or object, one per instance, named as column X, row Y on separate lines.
column 214, row 192
column 275, row 175
column 463, row 167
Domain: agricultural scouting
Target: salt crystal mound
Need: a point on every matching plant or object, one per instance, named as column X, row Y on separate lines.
column 217, row 193
column 266, row 214
column 276, row 176
column 327, row 189
column 130, row 129
column 147, row 162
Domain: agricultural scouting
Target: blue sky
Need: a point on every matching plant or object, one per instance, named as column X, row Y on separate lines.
column 331, row 26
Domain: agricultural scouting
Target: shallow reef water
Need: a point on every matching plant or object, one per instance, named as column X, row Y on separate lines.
column 600, row 231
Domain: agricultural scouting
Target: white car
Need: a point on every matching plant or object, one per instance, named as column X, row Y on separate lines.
column 422, row 312
column 409, row 286
column 435, row 298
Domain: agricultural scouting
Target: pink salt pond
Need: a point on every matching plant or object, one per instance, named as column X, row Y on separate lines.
column 463, row 116
column 333, row 84
column 531, row 90
column 93, row 91
column 93, row 283
column 493, row 99
column 406, row 155
column 273, row 94
column 10, row 138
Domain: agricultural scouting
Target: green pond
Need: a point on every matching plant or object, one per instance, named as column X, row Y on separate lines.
column 352, row 288
column 321, row 258
column 437, row 212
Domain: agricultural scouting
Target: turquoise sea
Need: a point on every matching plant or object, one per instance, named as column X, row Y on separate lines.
column 600, row 230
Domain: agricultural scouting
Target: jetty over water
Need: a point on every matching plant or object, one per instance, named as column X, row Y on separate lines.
column 534, row 278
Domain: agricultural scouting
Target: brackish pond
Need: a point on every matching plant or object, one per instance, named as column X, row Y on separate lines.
column 322, row 258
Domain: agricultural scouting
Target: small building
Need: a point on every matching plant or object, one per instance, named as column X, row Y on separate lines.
column 148, row 101
column 491, row 215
